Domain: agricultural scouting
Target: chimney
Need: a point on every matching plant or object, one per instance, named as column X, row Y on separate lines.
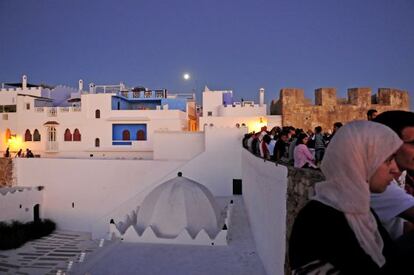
column 80, row 85
column 261, row 97
column 91, row 88
column 24, row 81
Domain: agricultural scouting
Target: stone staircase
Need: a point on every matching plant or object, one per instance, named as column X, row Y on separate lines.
column 58, row 253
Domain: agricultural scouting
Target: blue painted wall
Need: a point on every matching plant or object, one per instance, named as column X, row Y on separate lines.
column 123, row 103
column 227, row 98
column 148, row 103
column 117, row 130
column 175, row 103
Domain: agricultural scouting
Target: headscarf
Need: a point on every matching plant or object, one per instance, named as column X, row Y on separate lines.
column 352, row 158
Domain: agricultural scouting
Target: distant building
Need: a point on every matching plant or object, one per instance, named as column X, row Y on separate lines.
column 107, row 120
column 299, row 112
column 219, row 109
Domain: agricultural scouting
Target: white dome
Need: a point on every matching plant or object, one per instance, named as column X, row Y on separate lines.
column 179, row 204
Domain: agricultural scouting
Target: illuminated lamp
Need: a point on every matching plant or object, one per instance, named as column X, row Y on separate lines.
column 15, row 143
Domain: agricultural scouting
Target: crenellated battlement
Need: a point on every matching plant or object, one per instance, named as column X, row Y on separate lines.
column 356, row 96
column 298, row 111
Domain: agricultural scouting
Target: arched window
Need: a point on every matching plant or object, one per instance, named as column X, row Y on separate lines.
column 68, row 135
column 76, row 135
column 141, row 135
column 51, row 133
column 126, row 135
column 36, row 135
column 97, row 113
column 97, row 142
column 27, row 135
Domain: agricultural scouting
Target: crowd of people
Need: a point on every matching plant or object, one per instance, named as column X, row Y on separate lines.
column 19, row 154
column 361, row 219
column 288, row 145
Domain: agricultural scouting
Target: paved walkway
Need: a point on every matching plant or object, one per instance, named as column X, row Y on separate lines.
column 53, row 254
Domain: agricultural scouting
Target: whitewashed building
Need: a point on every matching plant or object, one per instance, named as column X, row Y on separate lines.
column 105, row 121
column 220, row 109
column 91, row 177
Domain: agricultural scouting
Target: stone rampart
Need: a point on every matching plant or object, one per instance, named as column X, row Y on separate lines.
column 300, row 188
column 297, row 111
column 6, row 172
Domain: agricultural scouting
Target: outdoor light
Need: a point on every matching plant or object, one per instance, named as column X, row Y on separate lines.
column 15, row 143
column 186, row 76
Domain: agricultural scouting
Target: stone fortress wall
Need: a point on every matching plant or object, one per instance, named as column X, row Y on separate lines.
column 298, row 111
column 6, row 172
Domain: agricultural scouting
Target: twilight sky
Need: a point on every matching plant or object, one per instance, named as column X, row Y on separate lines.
column 226, row 44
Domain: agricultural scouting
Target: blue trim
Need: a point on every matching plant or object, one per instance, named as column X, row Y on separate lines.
column 117, row 130
column 121, row 143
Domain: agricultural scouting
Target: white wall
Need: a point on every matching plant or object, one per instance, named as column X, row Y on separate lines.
column 220, row 163
column 104, row 189
column 211, row 101
column 252, row 122
column 8, row 97
column 177, row 145
column 224, row 139
column 96, row 187
column 264, row 194
column 17, row 203
column 215, row 168
column 239, row 110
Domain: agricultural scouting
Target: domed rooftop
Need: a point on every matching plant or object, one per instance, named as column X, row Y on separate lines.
column 179, row 204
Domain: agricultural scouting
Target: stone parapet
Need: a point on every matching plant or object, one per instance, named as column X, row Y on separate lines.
column 6, row 172
column 301, row 187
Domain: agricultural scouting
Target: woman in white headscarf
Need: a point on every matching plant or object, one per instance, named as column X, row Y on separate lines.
column 336, row 232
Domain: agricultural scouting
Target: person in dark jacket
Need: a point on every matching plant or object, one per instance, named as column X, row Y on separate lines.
column 336, row 232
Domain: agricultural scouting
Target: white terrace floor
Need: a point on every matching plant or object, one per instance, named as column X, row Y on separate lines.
column 118, row 258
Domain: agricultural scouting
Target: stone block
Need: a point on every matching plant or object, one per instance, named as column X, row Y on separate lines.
column 325, row 97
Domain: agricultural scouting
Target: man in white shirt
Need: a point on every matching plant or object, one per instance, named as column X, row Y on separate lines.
column 395, row 205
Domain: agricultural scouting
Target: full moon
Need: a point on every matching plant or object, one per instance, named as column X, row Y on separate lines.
column 186, row 76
